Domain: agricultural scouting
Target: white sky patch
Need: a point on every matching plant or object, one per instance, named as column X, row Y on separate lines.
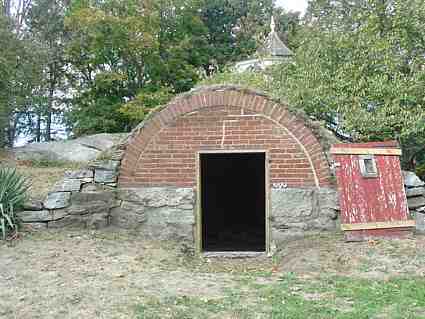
column 293, row 5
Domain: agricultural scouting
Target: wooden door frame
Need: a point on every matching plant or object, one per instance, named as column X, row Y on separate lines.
column 198, row 207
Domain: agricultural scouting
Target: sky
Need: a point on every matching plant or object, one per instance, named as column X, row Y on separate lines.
column 293, row 5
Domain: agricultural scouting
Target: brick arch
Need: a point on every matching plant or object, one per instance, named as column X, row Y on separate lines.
column 149, row 142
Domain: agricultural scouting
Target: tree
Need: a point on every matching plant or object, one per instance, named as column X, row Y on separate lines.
column 110, row 49
column 20, row 72
column 235, row 27
column 6, row 56
column 126, row 56
column 46, row 27
column 360, row 71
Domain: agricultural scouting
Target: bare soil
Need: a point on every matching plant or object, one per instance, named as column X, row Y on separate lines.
column 108, row 273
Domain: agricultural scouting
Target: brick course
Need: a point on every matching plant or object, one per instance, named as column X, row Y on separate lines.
column 163, row 152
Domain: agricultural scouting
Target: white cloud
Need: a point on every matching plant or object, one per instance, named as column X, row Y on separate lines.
column 293, row 5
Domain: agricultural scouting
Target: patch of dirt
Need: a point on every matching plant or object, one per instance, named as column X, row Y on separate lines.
column 329, row 254
column 105, row 274
column 42, row 179
column 92, row 275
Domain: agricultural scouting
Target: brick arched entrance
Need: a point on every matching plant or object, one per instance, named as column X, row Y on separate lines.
column 161, row 152
column 163, row 157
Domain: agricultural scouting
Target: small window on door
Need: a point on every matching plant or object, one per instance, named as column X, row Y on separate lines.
column 368, row 166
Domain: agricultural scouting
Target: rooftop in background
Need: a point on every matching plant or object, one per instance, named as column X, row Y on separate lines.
column 273, row 51
column 274, row 46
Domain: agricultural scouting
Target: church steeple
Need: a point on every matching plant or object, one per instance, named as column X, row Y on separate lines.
column 272, row 25
column 274, row 46
column 272, row 51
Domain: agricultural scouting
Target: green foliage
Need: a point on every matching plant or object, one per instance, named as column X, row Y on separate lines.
column 45, row 24
column 109, row 49
column 8, row 49
column 360, row 67
column 361, row 71
column 235, row 27
column 257, row 80
column 128, row 57
column 13, row 188
column 136, row 110
column 21, row 71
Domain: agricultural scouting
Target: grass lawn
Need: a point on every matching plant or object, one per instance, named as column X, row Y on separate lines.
column 296, row 297
column 115, row 274
column 42, row 174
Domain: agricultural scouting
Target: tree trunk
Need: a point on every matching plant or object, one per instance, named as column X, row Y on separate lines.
column 38, row 128
column 52, row 85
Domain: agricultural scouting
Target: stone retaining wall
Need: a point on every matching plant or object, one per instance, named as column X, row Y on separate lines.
column 84, row 198
column 169, row 213
column 415, row 192
column 89, row 198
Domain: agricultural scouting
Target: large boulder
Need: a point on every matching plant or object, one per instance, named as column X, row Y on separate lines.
column 83, row 149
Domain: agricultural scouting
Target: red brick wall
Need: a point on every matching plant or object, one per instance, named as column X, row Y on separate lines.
column 163, row 152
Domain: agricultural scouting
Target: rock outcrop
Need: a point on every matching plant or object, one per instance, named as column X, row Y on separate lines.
column 83, row 149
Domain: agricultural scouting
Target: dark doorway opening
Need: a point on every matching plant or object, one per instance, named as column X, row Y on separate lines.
column 233, row 201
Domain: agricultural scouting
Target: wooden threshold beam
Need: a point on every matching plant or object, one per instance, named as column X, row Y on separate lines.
column 379, row 225
column 365, row 151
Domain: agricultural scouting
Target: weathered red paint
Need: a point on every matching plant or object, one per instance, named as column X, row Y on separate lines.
column 373, row 199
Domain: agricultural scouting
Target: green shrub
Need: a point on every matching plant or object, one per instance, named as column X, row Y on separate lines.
column 13, row 192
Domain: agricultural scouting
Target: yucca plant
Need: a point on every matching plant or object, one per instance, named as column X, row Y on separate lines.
column 13, row 193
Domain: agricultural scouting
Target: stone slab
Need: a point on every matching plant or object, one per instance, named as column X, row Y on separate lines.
column 68, row 185
column 158, row 196
column 104, row 196
column 33, row 204
column 415, row 191
column 57, row 200
column 416, row 202
column 105, row 176
column 80, row 174
column 35, row 216
column 296, row 212
column 106, row 165
column 91, row 188
column 291, row 205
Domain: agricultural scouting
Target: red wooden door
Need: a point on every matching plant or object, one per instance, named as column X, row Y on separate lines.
column 371, row 191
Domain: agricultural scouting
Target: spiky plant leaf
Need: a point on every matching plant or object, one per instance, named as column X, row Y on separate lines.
column 13, row 193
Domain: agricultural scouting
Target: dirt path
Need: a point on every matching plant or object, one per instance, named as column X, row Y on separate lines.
column 105, row 274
